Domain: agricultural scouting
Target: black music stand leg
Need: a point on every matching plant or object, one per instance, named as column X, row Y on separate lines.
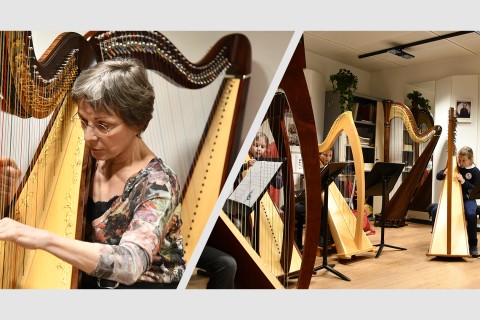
column 324, row 233
column 382, row 224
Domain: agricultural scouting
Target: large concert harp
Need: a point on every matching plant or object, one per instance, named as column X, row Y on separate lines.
column 50, row 195
column 449, row 236
column 208, row 162
column 347, row 230
column 397, row 206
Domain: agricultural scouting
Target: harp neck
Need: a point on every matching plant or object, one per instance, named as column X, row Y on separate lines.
column 295, row 87
column 158, row 53
column 399, row 110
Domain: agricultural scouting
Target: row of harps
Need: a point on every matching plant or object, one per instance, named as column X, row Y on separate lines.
column 272, row 259
column 197, row 115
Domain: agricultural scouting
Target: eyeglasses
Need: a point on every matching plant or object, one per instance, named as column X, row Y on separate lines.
column 96, row 127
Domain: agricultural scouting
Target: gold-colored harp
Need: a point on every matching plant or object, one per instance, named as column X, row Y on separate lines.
column 36, row 102
column 346, row 228
column 449, row 236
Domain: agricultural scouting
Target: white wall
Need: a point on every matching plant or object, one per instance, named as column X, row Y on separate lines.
column 454, row 79
column 317, row 87
column 318, row 74
column 448, row 91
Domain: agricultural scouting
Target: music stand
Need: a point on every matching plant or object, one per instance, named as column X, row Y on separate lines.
column 380, row 181
column 328, row 175
column 247, row 194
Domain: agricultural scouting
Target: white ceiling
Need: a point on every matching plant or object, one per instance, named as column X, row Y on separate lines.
column 346, row 46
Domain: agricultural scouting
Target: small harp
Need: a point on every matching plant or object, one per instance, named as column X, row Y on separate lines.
column 203, row 159
column 449, row 236
column 50, row 194
column 397, row 206
column 347, row 230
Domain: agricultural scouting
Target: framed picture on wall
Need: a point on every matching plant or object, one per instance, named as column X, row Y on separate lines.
column 463, row 110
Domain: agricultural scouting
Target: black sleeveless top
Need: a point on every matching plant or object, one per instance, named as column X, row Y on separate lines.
column 94, row 210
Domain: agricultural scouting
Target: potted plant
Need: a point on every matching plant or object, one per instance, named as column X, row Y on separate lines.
column 419, row 101
column 345, row 83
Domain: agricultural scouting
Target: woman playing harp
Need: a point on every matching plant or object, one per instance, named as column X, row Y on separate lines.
column 198, row 112
column 133, row 225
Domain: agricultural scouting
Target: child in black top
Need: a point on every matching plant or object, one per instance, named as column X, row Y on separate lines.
column 469, row 176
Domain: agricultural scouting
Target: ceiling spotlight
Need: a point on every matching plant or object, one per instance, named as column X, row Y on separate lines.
column 401, row 53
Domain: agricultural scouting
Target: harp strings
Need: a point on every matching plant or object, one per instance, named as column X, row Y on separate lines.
column 29, row 99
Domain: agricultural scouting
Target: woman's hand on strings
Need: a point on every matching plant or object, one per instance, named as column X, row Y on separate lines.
column 9, row 177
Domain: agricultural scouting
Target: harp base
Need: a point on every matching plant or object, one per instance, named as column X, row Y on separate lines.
column 390, row 223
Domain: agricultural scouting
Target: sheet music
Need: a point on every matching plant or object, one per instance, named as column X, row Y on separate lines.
column 255, row 182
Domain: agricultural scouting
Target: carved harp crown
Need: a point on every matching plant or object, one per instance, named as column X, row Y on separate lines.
column 228, row 61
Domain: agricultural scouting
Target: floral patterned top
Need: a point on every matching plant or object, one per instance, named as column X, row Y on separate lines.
column 142, row 227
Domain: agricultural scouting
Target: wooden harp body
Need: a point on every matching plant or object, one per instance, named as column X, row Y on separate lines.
column 346, row 228
column 204, row 160
column 397, row 206
column 51, row 193
column 449, row 235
